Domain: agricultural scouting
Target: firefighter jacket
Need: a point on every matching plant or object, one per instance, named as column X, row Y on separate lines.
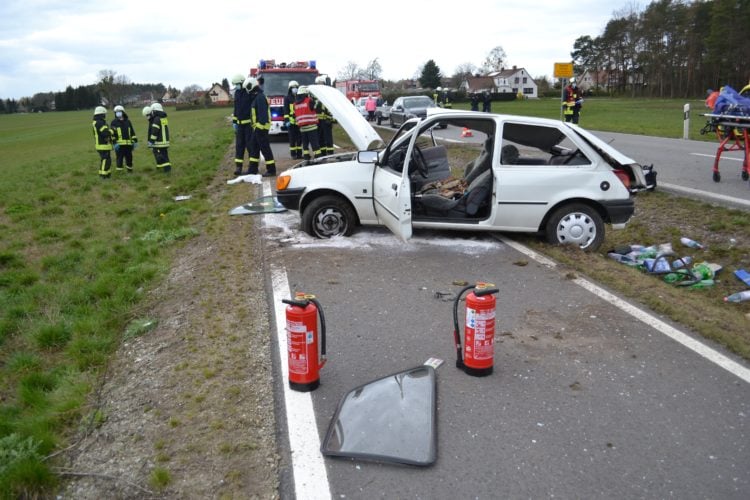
column 159, row 130
column 102, row 134
column 243, row 101
column 289, row 109
column 571, row 99
column 306, row 114
column 123, row 131
column 323, row 114
column 261, row 114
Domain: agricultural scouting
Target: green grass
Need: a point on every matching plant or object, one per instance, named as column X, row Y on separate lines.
column 657, row 117
column 76, row 256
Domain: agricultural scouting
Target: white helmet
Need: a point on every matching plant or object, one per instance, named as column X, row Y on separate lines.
column 156, row 107
column 302, row 90
column 573, row 80
column 100, row 110
column 250, row 83
column 439, row 89
column 146, row 110
column 292, row 83
column 119, row 108
column 320, row 80
column 237, row 79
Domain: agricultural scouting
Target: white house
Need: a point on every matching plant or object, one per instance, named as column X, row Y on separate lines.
column 515, row 80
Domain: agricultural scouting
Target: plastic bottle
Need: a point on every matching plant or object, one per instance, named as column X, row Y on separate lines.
column 738, row 297
column 690, row 243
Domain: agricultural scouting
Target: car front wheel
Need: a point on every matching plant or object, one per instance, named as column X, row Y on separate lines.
column 328, row 216
column 576, row 224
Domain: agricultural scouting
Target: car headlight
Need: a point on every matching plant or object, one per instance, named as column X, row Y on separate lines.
column 282, row 182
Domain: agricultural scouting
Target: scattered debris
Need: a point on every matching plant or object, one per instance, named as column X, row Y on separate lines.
column 182, row 197
column 251, row 178
column 521, row 263
column 263, row 205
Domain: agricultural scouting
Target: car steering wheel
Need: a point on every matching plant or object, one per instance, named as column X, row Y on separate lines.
column 419, row 162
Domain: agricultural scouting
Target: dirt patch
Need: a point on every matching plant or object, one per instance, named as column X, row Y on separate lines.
column 187, row 409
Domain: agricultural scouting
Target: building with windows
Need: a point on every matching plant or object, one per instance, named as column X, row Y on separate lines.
column 514, row 80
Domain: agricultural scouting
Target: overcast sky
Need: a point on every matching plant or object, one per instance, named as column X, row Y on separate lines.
column 47, row 45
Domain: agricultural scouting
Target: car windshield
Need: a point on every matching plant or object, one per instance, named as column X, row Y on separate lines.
column 278, row 83
column 418, row 102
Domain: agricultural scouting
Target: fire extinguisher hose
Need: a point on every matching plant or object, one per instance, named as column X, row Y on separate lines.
column 322, row 330
column 456, row 331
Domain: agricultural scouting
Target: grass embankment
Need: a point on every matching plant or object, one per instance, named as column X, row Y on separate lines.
column 76, row 257
column 657, row 117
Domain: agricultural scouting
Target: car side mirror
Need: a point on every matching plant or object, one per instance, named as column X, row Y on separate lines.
column 367, row 156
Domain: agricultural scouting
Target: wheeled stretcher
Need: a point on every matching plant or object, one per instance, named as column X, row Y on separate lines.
column 732, row 132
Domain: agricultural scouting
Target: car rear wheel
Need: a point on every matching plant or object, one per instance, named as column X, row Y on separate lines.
column 329, row 216
column 393, row 125
column 576, row 224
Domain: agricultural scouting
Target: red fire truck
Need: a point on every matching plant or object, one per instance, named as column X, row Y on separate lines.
column 276, row 77
column 354, row 89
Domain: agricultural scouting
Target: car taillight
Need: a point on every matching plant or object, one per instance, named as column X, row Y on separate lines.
column 624, row 177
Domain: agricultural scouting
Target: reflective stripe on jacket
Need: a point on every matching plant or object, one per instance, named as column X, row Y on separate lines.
column 123, row 131
column 289, row 109
column 159, row 134
column 260, row 112
column 243, row 101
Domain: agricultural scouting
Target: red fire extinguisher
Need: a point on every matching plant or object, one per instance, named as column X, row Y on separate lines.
column 479, row 333
column 302, row 341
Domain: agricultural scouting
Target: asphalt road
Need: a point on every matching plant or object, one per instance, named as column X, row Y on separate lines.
column 585, row 400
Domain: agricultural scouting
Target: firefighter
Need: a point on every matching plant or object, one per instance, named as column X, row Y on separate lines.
column 474, row 99
column 572, row 102
column 125, row 139
column 445, row 100
column 290, row 123
column 325, row 124
column 307, row 120
column 486, row 102
column 261, row 123
column 241, row 122
column 102, row 141
column 436, row 96
column 158, row 137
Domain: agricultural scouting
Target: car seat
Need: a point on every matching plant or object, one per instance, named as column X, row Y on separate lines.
column 480, row 164
column 509, row 154
column 474, row 198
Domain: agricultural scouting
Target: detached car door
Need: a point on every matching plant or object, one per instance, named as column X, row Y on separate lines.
column 391, row 189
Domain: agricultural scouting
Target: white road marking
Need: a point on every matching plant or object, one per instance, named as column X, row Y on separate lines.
column 698, row 347
column 705, row 194
column 714, row 156
column 308, row 466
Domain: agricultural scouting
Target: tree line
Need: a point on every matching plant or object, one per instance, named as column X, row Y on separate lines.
column 670, row 49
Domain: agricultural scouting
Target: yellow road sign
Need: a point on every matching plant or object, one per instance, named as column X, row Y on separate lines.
column 563, row 70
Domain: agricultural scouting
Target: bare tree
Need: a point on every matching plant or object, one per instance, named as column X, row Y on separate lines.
column 189, row 93
column 462, row 72
column 495, row 60
column 373, row 70
column 350, row 71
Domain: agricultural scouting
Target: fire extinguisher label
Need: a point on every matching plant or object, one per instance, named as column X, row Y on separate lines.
column 296, row 338
column 482, row 325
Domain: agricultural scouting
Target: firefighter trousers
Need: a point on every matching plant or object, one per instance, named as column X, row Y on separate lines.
column 105, row 163
column 242, row 140
column 325, row 137
column 295, row 142
column 310, row 141
column 161, row 155
column 258, row 145
column 124, row 155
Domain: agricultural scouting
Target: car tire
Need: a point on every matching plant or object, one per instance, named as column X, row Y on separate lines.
column 576, row 224
column 393, row 125
column 329, row 216
column 380, row 119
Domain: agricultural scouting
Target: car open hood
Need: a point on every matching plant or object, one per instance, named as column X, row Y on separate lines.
column 361, row 133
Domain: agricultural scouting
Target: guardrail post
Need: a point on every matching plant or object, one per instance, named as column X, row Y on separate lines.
column 686, row 121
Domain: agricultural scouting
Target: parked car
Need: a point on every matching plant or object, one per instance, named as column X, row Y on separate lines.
column 407, row 107
column 529, row 175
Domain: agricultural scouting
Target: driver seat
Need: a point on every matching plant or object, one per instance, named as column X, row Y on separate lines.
column 474, row 198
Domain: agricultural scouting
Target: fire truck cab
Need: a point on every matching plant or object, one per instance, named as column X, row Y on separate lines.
column 276, row 78
column 354, row 89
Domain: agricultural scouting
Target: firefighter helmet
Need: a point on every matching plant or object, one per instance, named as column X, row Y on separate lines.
column 119, row 108
column 238, row 79
column 439, row 89
column 303, row 90
column 292, row 83
column 100, row 110
column 156, row 107
column 250, row 83
column 320, row 80
column 146, row 110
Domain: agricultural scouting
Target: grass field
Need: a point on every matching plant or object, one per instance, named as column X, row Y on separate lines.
column 78, row 254
column 657, row 117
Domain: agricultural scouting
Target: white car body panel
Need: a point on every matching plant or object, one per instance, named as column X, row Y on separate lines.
column 359, row 130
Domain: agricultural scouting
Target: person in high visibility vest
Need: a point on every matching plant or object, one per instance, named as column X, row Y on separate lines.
column 572, row 102
column 124, row 138
column 158, row 137
column 307, row 118
column 241, row 122
column 261, row 120
column 290, row 122
column 102, row 141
